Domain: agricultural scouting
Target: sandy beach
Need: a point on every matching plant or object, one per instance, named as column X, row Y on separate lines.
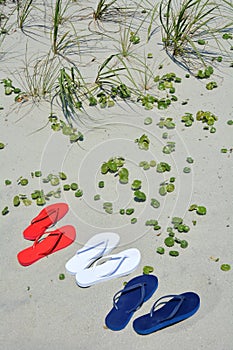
column 39, row 309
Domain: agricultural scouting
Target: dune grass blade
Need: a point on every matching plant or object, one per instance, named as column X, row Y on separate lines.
column 59, row 43
column 63, row 43
column 56, row 23
column 23, row 11
column 153, row 15
column 5, row 25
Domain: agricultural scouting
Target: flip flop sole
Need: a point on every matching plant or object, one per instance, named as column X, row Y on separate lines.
column 118, row 318
column 156, row 321
column 97, row 246
column 116, row 265
column 56, row 240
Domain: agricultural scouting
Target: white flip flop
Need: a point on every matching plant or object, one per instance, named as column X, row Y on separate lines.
column 97, row 246
column 109, row 267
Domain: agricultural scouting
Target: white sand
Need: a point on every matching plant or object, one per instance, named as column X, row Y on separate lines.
column 39, row 311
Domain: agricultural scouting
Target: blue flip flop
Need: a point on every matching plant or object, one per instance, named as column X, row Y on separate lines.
column 176, row 309
column 129, row 299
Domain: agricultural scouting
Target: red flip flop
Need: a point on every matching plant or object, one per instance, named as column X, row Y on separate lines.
column 56, row 240
column 49, row 216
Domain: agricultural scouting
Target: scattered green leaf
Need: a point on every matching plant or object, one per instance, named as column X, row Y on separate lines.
column 101, row 184
column 136, row 185
column 174, row 253
column 169, row 241
column 61, row 276
column 147, row 270
column 143, row 142
column 225, row 267
column 74, row 186
column 8, row 182
column 201, row 210
column 160, row 250
column 155, row 203
column 148, row 121
column 129, row 211
column 16, row 201
column 5, row 211
column 139, row 196
column 78, row 193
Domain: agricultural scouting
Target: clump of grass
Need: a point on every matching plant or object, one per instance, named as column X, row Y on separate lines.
column 187, row 24
column 39, row 77
column 107, row 75
column 130, row 30
column 68, row 93
column 125, row 42
column 109, row 11
column 75, row 93
column 102, row 8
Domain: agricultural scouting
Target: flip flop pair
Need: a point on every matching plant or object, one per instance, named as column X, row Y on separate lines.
column 55, row 240
column 92, row 264
column 172, row 308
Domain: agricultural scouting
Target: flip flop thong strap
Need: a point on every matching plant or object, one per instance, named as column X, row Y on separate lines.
column 111, row 258
column 49, row 251
column 176, row 297
column 49, row 212
column 141, row 286
column 100, row 253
